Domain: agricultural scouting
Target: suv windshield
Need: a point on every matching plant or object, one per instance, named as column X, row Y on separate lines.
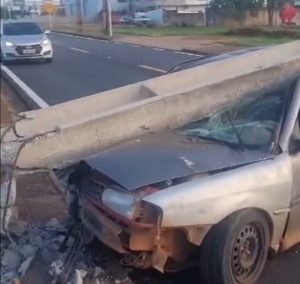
column 15, row 29
column 250, row 122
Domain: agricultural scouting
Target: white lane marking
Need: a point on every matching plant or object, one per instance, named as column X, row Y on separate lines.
column 188, row 53
column 153, row 68
column 179, row 52
column 79, row 50
column 25, row 89
column 158, row 49
column 193, row 54
column 108, row 57
column 135, row 45
column 117, row 42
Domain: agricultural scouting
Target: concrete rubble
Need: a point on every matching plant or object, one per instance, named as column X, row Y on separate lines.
column 43, row 242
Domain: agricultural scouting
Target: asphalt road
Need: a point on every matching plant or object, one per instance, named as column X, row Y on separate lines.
column 82, row 67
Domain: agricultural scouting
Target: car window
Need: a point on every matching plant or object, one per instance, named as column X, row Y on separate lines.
column 254, row 121
column 15, row 29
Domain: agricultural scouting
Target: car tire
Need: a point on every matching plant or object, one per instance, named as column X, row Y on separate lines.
column 235, row 251
column 48, row 60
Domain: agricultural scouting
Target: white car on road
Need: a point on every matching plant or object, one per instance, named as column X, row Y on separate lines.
column 24, row 40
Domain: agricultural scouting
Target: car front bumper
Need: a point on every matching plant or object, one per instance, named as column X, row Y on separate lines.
column 18, row 53
column 145, row 245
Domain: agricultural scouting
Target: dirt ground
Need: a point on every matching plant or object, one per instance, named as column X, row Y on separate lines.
column 38, row 199
column 6, row 107
column 187, row 44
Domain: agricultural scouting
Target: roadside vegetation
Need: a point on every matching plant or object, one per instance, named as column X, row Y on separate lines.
column 236, row 34
column 224, row 35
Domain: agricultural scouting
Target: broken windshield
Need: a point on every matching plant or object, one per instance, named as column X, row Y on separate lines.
column 249, row 123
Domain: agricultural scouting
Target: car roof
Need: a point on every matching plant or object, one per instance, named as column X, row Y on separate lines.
column 210, row 59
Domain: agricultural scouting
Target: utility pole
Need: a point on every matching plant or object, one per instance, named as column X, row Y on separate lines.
column 79, row 10
column 107, row 21
column 9, row 9
column 81, row 14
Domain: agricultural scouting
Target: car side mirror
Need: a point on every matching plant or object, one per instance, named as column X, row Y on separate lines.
column 295, row 146
column 47, row 32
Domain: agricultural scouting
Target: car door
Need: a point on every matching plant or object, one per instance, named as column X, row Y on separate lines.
column 293, row 227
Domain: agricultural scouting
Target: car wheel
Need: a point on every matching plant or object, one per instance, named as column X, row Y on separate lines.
column 235, row 251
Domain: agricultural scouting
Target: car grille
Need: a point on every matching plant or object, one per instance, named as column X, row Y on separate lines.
column 21, row 50
column 91, row 189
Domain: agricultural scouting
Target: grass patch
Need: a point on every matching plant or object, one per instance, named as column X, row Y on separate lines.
column 258, row 41
column 171, row 31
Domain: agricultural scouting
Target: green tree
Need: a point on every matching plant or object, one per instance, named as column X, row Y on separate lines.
column 237, row 9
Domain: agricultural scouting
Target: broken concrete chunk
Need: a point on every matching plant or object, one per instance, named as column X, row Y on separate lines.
column 83, row 273
column 8, row 277
column 56, row 268
column 78, row 277
column 97, row 271
column 49, row 256
column 11, row 259
column 53, row 223
column 24, row 266
column 38, row 241
column 28, row 251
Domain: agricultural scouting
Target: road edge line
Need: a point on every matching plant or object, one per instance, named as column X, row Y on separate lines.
column 26, row 94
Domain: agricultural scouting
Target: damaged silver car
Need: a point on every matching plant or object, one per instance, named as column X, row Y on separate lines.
column 219, row 193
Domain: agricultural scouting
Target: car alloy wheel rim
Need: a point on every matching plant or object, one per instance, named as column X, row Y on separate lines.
column 247, row 252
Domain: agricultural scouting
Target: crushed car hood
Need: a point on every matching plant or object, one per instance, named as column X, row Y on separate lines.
column 161, row 157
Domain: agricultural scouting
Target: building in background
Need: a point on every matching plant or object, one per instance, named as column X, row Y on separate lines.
column 175, row 12
column 92, row 9
column 16, row 8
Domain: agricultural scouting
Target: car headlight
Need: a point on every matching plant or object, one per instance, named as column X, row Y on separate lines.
column 121, row 203
column 9, row 44
column 45, row 42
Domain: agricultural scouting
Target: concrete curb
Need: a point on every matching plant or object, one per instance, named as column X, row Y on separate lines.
column 82, row 35
column 26, row 94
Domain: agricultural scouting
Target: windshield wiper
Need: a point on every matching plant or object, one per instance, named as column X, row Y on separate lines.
column 238, row 136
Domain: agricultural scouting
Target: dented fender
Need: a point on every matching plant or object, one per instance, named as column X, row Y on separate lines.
column 265, row 185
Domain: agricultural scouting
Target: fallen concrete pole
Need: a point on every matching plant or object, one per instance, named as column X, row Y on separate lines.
column 85, row 126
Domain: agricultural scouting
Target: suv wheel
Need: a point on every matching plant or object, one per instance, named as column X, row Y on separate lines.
column 235, row 251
